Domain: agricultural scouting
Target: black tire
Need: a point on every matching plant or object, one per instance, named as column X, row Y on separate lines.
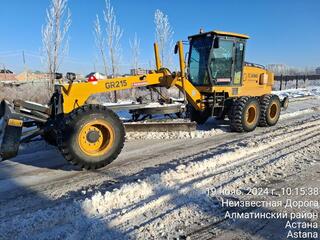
column 200, row 117
column 70, row 139
column 270, row 110
column 285, row 103
column 244, row 115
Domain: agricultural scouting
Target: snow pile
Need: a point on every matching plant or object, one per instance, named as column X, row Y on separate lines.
column 119, row 198
column 300, row 92
column 178, row 180
column 158, row 105
column 298, row 113
column 175, row 134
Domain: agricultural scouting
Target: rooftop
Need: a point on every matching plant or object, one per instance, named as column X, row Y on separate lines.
column 221, row 33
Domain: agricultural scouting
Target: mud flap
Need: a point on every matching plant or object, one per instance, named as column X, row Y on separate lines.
column 10, row 132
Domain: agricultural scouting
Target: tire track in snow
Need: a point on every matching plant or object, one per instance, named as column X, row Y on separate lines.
column 82, row 177
column 131, row 203
column 174, row 184
column 307, row 142
column 305, row 151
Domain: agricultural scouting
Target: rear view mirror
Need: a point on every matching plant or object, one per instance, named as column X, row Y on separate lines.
column 216, row 43
column 58, row 76
column 71, row 76
column 176, row 48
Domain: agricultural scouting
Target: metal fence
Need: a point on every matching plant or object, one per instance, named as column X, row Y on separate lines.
column 297, row 80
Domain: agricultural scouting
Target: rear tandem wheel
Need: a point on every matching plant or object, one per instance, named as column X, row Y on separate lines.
column 244, row 114
column 270, row 110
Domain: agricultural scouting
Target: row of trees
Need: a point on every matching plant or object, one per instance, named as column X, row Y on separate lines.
column 107, row 36
column 282, row 69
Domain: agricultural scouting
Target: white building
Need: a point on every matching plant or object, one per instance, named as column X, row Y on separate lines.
column 138, row 71
column 97, row 75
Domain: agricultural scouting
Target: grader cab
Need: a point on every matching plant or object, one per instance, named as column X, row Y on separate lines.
column 216, row 81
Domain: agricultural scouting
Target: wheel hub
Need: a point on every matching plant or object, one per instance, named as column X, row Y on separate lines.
column 251, row 115
column 96, row 138
column 93, row 136
column 273, row 111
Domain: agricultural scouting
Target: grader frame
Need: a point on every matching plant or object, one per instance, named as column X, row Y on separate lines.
column 92, row 136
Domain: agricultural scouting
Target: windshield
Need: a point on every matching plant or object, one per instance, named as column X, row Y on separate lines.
column 198, row 60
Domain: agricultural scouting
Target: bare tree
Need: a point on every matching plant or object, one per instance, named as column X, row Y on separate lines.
column 135, row 51
column 282, row 69
column 54, row 36
column 114, row 35
column 100, row 43
column 278, row 69
column 164, row 34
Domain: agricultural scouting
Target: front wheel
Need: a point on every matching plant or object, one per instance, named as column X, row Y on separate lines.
column 93, row 136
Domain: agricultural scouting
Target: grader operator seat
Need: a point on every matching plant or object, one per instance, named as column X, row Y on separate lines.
column 216, row 58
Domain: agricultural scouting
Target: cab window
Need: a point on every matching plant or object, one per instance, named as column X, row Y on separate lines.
column 221, row 62
column 198, row 61
column 238, row 65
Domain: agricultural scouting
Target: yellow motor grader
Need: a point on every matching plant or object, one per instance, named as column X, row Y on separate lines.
column 216, row 81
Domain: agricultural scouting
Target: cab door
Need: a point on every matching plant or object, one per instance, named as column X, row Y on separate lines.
column 238, row 62
column 226, row 62
column 221, row 62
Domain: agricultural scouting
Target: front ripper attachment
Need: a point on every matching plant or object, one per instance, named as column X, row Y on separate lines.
column 10, row 131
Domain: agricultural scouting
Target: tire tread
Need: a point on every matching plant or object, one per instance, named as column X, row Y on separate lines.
column 71, row 121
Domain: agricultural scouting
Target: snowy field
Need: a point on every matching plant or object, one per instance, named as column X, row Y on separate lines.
column 159, row 189
column 300, row 92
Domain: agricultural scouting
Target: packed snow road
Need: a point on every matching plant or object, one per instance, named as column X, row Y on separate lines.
column 158, row 188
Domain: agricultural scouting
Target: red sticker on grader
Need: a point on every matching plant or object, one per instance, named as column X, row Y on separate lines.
column 139, row 84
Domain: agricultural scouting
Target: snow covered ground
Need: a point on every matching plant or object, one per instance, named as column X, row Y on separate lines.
column 159, row 189
column 300, row 92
